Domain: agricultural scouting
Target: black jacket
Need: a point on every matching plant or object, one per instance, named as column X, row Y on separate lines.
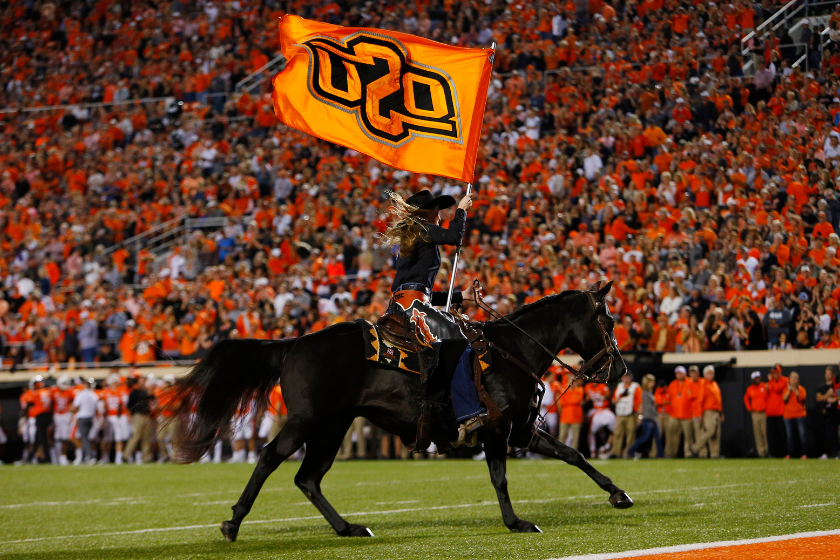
column 423, row 265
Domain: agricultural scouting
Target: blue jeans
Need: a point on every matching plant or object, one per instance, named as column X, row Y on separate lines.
column 649, row 429
column 792, row 426
column 464, row 394
column 88, row 355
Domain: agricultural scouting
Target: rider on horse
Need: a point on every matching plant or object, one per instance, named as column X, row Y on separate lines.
column 417, row 231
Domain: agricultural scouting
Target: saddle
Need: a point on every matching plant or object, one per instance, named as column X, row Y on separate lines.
column 393, row 342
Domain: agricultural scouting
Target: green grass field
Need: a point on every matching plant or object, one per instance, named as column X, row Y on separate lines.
column 416, row 509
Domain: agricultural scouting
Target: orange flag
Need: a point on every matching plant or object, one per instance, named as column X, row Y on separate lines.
column 409, row 102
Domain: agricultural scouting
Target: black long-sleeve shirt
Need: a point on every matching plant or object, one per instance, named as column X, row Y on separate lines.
column 423, row 265
column 139, row 401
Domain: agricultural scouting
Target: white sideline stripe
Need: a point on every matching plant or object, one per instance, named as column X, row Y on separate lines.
column 129, row 500
column 698, row 546
column 387, row 512
column 818, row 505
column 255, row 522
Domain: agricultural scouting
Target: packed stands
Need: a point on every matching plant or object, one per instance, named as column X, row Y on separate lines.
column 621, row 140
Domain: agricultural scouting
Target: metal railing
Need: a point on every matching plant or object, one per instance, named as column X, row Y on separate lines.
column 253, row 80
column 759, row 31
column 159, row 240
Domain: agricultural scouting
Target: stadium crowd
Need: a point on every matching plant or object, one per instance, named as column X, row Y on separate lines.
column 621, row 140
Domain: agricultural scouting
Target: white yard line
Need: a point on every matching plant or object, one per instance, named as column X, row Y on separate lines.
column 375, row 512
column 818, row 505
column 129, row 500
column 698, row 546
column 255, row 522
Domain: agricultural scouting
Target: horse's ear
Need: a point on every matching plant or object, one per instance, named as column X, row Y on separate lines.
column 595, row 287
column 602, row 292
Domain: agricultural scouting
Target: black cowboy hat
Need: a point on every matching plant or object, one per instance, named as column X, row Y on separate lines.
column 425, row 200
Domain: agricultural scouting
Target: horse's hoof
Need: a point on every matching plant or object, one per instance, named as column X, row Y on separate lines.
column 620, row 500
column 357, row 531
column 522, row 526
column 229, row 530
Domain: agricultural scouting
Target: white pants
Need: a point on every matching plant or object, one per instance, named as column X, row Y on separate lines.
column 27, row 429
column 242, row 427
column 128, row 427
column 117, row 427
column 265, row 425
column 63, row 425
column 551, row 420
column 599, row 418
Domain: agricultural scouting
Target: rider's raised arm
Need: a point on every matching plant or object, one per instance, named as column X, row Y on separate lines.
column 447, row 236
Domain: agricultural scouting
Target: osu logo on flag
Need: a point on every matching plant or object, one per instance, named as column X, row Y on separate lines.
column 394, row 100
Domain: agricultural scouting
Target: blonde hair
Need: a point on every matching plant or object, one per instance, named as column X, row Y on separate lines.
column 407, row 228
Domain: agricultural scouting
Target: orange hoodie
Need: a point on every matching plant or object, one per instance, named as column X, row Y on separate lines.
column 775, row 389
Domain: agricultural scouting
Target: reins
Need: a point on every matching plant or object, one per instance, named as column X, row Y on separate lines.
column 609, row 348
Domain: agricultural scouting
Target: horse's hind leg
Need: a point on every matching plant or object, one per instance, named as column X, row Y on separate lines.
column 545, row 444
column 320, row 454
column 495, row 450
column 289, row 440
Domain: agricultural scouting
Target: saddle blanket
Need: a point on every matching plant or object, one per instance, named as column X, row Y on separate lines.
column 377, row 349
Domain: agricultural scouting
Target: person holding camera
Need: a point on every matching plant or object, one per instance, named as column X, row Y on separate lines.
column 628, row 403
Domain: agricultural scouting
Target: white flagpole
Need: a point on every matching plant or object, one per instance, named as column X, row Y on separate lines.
column 458, row 250
column 455, row 263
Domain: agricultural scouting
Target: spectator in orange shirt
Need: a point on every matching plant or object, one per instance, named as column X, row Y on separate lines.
column 755, row 399
column 707, row 442
column 681, row 395
column 128, row 343
column 822, row 229
column 795, row 416
column 571, row 414
column 776, row 437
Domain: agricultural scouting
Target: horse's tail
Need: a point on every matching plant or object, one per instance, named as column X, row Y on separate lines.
column 235, row 375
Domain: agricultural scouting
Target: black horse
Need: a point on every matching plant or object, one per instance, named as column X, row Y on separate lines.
column 327, row 382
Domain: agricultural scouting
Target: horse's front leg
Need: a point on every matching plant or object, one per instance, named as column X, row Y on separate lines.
column 544, row 444
column 495, row 449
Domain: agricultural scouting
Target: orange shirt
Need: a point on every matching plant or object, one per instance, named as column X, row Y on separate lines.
column 755, row 399
column 699, row 392
column 188, row 340
column 62, row 400
column 663, row 401
column 711, row 397
column 41, row 400
column 571, row 410
column 795, row 405
column 112, row 398
column 126, row 346
column 775, row 388
column 145, row 348
column 165, row 401
column 275, row 399
column 682, row 397
column 599, row 394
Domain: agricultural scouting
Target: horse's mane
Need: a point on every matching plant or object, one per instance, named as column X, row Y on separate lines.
column 530, row 307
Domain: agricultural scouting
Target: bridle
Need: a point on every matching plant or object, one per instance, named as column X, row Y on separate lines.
column 609, row 349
